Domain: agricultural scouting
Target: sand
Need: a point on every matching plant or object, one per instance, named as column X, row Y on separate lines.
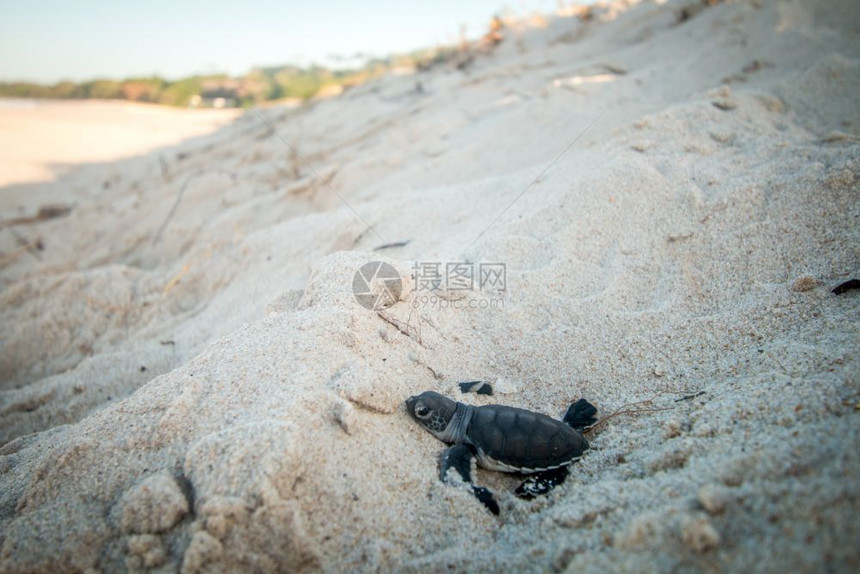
column 190, row 385
column 40, row 140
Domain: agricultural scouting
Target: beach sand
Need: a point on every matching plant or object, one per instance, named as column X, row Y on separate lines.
column 189, row 383
column 40, row 140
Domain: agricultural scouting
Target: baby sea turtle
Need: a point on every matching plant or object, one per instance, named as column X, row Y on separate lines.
column 504, row 438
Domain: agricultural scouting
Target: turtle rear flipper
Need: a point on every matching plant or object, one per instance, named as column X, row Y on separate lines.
column 580, row 415
column 542, row 482
column 461, row 459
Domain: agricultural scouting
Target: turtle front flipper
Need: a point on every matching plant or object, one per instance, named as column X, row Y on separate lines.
column 461, row 459
column 580, row 415
column 542, row 482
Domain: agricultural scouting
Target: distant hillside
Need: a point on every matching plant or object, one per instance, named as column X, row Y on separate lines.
column 221, row 90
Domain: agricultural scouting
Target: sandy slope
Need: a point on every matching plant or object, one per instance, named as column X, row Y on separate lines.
column 190, row 384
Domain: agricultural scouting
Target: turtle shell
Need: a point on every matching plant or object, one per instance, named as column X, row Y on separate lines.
column 516, row 440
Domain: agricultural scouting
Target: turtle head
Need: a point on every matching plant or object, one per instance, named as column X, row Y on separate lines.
column 432, row 411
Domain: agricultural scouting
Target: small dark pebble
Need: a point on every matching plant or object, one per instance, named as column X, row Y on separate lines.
column 753, row 66
column 847, row 286
column 142, row 369
column 479, row 387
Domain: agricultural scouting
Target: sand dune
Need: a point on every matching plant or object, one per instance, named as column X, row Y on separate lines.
column 189, row 383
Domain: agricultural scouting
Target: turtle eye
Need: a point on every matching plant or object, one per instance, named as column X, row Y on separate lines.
column 422, row 411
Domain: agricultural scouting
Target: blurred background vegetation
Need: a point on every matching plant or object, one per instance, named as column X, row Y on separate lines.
column 220, row 90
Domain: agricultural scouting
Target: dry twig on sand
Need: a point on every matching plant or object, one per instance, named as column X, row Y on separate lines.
column 32, row 247
column 157, row 237
column 627, row 409
column 392, row 245
column 406, row 328
column 45, row 213
column 690, row 396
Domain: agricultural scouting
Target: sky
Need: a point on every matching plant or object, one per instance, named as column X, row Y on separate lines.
column 53, row 40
